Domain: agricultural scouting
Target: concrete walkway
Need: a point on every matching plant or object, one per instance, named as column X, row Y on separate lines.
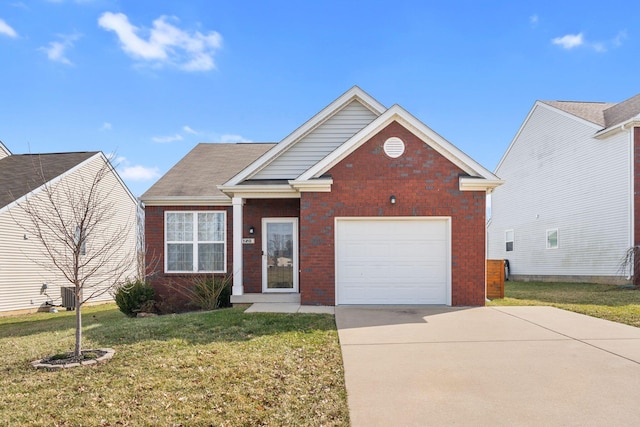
column 488, row 366
column 288, row 307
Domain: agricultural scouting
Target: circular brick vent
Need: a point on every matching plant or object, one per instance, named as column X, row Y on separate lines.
column 393, row 147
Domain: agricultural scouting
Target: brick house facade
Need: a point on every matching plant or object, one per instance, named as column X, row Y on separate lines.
column 432, row 193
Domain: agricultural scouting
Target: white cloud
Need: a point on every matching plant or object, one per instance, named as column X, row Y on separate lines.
column 138, row 173
column 167, row 139
column 7, row 30
column 189, row 129
column 165, row 43
column 106, row 126
column 56, row 51
column 233, row 138
column 617, row 40
column 130, row 172
column 569, row 41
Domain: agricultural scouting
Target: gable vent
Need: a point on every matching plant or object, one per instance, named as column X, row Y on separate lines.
column 393, row 147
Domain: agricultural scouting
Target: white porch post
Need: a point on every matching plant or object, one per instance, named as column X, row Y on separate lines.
column 238, row 288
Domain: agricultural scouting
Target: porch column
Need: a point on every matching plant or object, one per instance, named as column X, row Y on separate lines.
column 238, row 287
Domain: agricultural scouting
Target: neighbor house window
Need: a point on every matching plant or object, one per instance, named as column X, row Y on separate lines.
column 195, row 242
column 552, row 238
column 508, row 238
column 80, row 238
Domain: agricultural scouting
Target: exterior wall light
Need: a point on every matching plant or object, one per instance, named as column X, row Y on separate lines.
column 252, row 230
column 392, row 199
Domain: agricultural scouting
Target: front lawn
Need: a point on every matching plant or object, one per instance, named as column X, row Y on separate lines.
column 222, row 368
column 617, row 303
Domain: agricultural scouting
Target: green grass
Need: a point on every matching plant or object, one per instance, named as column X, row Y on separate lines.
column 617, row 303
column 222, row 368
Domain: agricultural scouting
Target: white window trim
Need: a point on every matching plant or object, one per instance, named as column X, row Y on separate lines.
column 513, row 239
column 195, row 243
column 547, row 238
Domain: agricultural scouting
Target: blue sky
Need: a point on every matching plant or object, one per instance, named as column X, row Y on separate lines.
column 148, row 80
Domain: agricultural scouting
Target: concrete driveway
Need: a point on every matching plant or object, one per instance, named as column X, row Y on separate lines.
column 488, row 366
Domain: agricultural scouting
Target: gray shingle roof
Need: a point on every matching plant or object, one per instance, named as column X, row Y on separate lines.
column 590, row 111
column 605, row 114
column 22, row 173
column 205, row 167
column 622, row 111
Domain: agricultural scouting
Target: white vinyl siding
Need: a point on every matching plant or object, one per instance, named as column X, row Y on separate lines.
column 22, row 272
column 4, row 152
column 195, row 242
column 321, row 141
column 558, row 176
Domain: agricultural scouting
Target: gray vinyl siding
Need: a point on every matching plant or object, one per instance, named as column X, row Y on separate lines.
column 22, row 272
column 321, row 141
column 557, row 176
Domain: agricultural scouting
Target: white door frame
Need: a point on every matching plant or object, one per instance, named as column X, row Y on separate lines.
column 287, row 220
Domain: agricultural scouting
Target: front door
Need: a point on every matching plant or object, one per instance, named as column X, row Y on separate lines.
column 280, row 255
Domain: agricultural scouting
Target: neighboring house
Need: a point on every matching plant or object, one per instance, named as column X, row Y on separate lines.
column 4, row 151
column 568, row 210
column 362, row 204
column 26, row 282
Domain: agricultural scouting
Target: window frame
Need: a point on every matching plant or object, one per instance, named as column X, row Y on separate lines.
column 507, row 241
column 195, row 242
column 547, row 233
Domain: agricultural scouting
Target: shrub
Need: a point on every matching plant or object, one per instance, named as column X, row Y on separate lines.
column 132, row 296
column 224, row 300
column 206, row 292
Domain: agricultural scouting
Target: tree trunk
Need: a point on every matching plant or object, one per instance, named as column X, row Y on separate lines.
column 78, row 347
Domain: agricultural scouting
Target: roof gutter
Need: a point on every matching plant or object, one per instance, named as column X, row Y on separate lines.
column 631, row 123
column 186, row 201
column 267, row 191
column 470, row 183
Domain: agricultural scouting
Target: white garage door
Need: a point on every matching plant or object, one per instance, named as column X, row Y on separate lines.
column 393, row 261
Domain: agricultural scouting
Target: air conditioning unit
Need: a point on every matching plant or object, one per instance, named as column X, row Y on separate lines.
column 68, row 297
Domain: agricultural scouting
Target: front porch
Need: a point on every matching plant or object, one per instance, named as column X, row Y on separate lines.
column 279, row 303
column 280, row 298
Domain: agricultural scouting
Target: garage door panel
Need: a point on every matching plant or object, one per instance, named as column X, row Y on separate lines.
column 399, row 261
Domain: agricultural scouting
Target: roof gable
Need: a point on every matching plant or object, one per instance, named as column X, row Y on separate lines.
column 426, row 134
column 344, row 102
column 24, row 173
column 4, row 151
column 319, row 142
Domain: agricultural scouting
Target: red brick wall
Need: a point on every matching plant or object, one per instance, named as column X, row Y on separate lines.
column 254, row 211
column 154, row 260
column 424, row 183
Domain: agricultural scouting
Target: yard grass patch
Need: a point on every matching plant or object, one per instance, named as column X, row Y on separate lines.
column 221, row 367
column 611, row 302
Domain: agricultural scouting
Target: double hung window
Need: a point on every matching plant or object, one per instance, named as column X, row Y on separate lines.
column 195, row 242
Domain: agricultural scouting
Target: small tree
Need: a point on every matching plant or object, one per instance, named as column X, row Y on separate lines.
column 630, row 265
column 79, row 233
